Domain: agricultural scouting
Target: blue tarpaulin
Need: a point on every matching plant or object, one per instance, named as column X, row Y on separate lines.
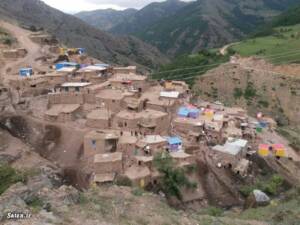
column 66, row 64
column 174, row 143
column 188, row 112
column 102, row 65
column 24, row 72
column 184, row 112
column 81, row 51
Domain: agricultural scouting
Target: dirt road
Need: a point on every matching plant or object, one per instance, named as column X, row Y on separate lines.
column 24, row 41
column 223, row 50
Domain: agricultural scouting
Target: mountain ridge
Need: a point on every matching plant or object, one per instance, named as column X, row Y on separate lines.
column 185, row 28
column 74, row 32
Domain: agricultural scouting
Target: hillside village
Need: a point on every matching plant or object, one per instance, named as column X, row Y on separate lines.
column 110, row 123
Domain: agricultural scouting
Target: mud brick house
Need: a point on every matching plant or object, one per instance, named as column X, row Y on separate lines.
column 231, row 152
column 107, row 166
column 182, row 159
column 99, row 118
column 62, row 113
column 144, row 122
column 100, row 142
column 14, row 53
column 110, row 99
column 129, row 81
column 124, row 70
column 108, row 163
column 152, row 144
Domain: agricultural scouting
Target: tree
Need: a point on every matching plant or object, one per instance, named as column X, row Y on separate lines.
column 173, row 178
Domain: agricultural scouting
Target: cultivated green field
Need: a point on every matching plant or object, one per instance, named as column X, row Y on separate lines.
column 283, row 46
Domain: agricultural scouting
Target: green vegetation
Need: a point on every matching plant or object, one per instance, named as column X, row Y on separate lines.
column 283, row 212
column 137, row 191
column 292, row 134
column 238, row 93
column 35, row 204
column 270, row 186
column 279, row 46
column 8, row 177
column 290, row 17
column 6, row 38
column 173, row 178
column 263, row 103
column 188, row 67
column 123, row 181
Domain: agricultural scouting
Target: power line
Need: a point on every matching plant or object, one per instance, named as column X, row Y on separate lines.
column 182, row 76
column 216, row 64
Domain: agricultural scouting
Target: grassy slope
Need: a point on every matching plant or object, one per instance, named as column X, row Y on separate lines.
column 188, row 67
column 281, row 43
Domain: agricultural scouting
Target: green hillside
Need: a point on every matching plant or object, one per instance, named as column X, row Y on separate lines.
column 204, row 24
column 282, row 46
column 290, row 17
column 188, row 67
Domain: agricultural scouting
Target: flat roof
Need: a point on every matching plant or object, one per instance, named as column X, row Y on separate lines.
column 99, row 114
column 108, row 157
column 100, row 86
column 136, row 172
column 110, row 94
column 55, row 110
column 91, row 69
column 104, row 177
column 169, row 94
column 180, row 155
column 127, row 77
column 104, row 134
column 191, row 121
column 152, row 139
column 66, row 69
column 76, row 84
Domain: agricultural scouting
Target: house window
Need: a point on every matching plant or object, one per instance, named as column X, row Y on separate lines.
column 66, row 89
column 94, row 144
column 77, row 89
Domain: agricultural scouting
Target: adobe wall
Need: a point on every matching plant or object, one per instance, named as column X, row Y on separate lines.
column 65, row 98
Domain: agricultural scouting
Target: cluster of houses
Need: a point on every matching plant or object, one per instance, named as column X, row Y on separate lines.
column 132, row 118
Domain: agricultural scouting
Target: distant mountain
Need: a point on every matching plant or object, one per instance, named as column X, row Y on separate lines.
column 290, row 17
column 75, row 33
column 105, row 19
column 148, row 16
column 176, row 27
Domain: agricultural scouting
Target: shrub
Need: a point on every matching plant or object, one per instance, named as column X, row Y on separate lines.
column 123, row 181
column 137, row 191
column 214, row 211
column 8, row 177
column 263, row 103
column 238, row 93
column 35, row 203
column 173, row 178
column 250, row 91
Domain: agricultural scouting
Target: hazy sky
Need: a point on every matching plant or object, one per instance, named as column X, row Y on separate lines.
column 72, row 6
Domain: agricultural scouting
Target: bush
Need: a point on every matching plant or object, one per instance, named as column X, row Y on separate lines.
column 35, row 203
column 123, row 181
column 214, row 211
column 137, row 191
column 173, row 178
column 250, row 91
column 238, row 93
column 8, row 177
column 270, row 186
column 263, row 103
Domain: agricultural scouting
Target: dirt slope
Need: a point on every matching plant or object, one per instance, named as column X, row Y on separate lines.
column 257, row 86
